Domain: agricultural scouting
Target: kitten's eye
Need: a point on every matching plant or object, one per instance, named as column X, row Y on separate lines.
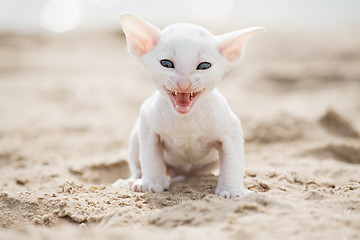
column 167, row 63
column 203, row 66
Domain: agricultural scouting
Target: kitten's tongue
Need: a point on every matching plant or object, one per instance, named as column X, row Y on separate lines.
column 182, row 100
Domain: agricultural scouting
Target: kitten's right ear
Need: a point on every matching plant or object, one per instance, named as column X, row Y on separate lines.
column 141, row 36
column 232, row 45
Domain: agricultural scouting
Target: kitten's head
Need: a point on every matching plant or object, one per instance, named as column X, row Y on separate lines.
column 185, row 61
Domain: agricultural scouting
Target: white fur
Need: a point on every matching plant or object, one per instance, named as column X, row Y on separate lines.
column 166, row 142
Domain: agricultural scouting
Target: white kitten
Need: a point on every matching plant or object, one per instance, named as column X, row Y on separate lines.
column 186, row 126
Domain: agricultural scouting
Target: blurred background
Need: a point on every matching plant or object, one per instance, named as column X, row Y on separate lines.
column 66, row 15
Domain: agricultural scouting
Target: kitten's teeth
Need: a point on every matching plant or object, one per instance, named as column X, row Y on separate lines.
column 192, row 94
column 175, row 93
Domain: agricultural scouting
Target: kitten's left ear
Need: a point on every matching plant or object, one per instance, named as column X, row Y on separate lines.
column 232, row 45
column 141, row 36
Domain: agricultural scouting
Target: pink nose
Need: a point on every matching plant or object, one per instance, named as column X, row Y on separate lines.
column 184, row 85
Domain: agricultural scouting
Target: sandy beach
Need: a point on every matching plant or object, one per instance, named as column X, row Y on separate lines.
column 68, row 103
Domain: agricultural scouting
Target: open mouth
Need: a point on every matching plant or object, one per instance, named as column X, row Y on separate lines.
column 183, row 101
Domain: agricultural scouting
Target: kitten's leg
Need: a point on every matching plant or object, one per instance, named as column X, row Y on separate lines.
column 231, row 175
column 174, row 174
column 153, row 167
column 133, row 159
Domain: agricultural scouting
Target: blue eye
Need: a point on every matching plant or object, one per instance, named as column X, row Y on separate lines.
column 203, row 66
column 167, row 63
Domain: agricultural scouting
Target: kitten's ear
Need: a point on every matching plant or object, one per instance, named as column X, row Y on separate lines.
column 232, row 45
column 141, row 36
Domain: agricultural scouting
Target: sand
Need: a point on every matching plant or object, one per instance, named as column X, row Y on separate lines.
column 69, row 101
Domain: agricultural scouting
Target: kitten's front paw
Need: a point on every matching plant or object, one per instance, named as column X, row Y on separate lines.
column 141, row 185
column 231, row 193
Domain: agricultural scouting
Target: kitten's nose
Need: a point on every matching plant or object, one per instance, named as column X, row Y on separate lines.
column 184, row 85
